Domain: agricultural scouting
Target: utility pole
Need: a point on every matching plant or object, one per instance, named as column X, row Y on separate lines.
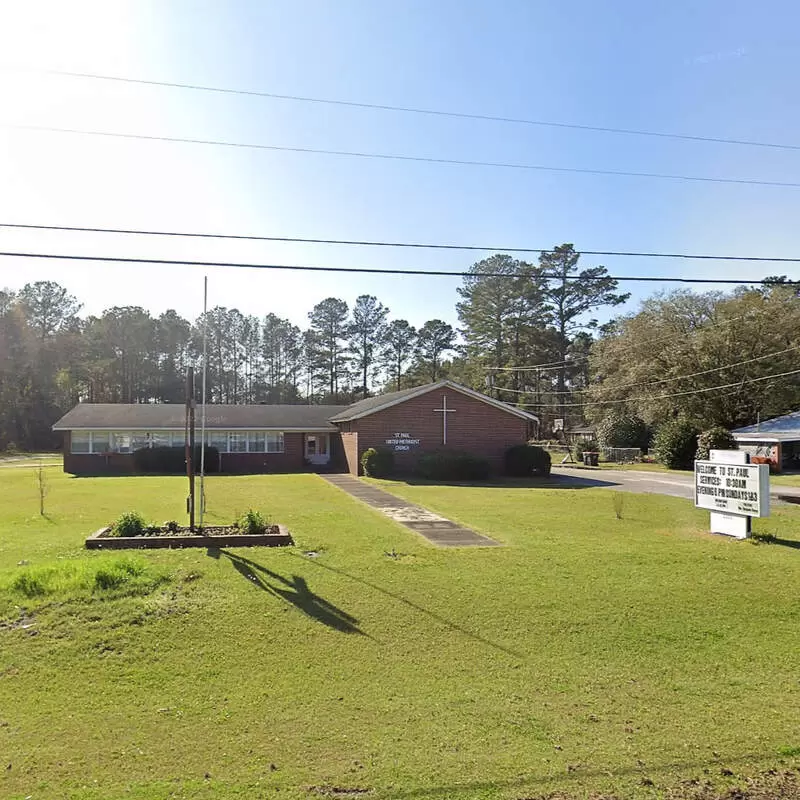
column 190, row 444
column 203, row 404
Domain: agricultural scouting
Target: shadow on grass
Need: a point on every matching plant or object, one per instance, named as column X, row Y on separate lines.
column 294, row 591
column 579, row 774
column 794, row 544
column 432, row 614
column 553, row 482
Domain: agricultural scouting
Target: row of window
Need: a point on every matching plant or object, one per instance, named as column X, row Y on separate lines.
column 128, row 441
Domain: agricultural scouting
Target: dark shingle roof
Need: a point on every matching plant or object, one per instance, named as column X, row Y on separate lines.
column 369, row 403
column 147, row 416
column 372, row 404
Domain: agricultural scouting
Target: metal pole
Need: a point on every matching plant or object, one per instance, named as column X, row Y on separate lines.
column 203, row 401
column 190, row 443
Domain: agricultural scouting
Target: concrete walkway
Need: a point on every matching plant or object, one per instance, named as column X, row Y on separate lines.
column 435, row 529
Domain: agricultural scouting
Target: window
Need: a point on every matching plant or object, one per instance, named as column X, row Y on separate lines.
column 101, row 441
column 159, row 439
column 121, row 443
column 274, row 442
column 238, row 442
column 258, row 442
column 179, row 439
column 80, row 442
column 218, row 439
column 140, row 440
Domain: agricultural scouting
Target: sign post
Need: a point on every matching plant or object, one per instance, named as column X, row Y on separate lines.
column 733, row 490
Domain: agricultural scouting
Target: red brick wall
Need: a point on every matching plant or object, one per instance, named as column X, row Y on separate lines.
column 351, row 452
column 473, row 427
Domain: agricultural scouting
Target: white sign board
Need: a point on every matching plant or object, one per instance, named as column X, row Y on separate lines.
column 402, row 441
column 741, row 489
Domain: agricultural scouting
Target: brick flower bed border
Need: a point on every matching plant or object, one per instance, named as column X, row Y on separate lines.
column 100, row 541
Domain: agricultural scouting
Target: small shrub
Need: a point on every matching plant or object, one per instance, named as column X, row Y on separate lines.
column 252, row 523
column 377, row 463
column 449, row 466
column 129, row 524
column 523, row 460
column 584, row 446
column 171, row 526
column 717, row 438
column 675, row 444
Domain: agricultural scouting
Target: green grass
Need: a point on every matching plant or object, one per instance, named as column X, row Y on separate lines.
column 589, row 654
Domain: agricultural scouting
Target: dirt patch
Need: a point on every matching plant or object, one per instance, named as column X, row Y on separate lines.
column 24, row 622
column 338, row 791
column 206, row 530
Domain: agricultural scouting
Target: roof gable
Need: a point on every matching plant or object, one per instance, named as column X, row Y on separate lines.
column 373, row 405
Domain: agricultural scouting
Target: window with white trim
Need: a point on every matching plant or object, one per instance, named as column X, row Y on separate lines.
column 238, row 441
column 274, row 441
column 101, row 441
column 80, row 442
column 121, row 442
column 218, row 439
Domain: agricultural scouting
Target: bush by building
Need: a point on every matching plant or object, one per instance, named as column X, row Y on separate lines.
column 675, row 444
column 523, row 460
column 172, row 460
column 717, row 438
column 377, row 462
column 451, row 466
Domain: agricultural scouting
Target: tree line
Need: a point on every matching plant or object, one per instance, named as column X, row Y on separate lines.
column 527, row 335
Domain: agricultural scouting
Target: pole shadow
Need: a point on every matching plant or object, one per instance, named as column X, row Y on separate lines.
column 432, row 614
column 294, row 591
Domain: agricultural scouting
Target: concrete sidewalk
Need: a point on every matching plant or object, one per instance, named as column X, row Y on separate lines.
column 435, row 529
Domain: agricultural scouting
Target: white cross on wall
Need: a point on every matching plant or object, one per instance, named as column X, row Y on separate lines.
column 444, row 411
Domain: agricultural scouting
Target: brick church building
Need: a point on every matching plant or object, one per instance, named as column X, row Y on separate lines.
column 100, row 438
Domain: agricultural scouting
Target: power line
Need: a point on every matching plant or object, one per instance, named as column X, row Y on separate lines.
column 662, row 380
column 400, row 157
column 664, row 396
column 551, row 365
column 373, row 243
column 376, row 270
column 424, row 111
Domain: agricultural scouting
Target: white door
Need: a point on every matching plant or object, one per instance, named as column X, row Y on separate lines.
column 318, row 448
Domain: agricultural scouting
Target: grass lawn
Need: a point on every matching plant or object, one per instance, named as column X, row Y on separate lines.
column 588, row 655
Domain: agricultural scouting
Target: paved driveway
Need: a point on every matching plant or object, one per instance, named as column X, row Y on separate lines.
column 648, row 482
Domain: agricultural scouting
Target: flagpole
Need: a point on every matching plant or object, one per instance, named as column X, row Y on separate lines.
column 203, row 406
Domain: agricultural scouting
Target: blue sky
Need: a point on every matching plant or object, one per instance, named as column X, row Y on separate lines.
column 723, row 69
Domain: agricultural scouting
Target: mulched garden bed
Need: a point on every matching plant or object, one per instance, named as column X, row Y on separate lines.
column 209, row 536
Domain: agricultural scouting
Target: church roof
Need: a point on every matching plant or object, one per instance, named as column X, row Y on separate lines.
column 171, row 416
column 372, row 405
